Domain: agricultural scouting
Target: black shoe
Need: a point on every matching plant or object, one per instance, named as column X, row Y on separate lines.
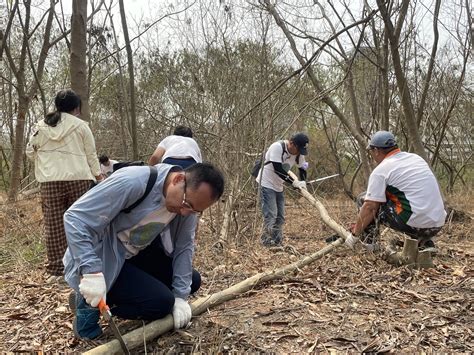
column 429, row 245
column 332, row 238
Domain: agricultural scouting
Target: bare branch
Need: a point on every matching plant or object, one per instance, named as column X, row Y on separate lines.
column 4, row 36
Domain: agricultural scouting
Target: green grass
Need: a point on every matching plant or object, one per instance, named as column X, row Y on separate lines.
column 19, row 251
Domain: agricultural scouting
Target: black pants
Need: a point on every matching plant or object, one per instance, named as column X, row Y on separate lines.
column 143, row 287
column 184, row 163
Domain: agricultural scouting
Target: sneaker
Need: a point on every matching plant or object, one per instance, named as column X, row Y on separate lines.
column 429, row 245
column 267, row 242
column 86, row 318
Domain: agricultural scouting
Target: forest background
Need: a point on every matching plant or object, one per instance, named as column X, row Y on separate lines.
column 243, row 74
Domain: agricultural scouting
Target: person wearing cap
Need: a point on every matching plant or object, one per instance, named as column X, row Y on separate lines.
column 402, row 194
column 282, row 155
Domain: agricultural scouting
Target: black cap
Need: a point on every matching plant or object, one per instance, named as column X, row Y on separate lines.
column 301, row 140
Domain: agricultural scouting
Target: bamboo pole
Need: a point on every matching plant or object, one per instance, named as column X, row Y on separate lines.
column 152, row 330
column 340, row 230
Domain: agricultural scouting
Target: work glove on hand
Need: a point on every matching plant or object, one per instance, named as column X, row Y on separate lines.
column 299, row 184
column 181, row 313
column 351, row 241
column 92, row 288
column 305, row 165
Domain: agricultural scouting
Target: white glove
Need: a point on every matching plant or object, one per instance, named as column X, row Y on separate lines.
column 93, row 288
column 181, row 313
column 351, row 240
column 299, row 184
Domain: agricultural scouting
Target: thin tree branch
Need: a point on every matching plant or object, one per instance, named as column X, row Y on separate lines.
column 4, row 36
column 427, row 83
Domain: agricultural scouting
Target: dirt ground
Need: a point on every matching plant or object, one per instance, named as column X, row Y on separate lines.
column 346, row 301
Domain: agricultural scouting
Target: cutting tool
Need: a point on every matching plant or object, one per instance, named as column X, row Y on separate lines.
column 105, row 311
column 322, row 179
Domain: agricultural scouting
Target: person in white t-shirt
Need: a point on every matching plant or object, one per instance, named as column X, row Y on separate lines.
column 106, row 165
column 402, row 194
column 178, row 149
column 279, row 159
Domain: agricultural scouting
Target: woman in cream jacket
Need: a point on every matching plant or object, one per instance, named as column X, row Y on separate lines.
column 63, row 149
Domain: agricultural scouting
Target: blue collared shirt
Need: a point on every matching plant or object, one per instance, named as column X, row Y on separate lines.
column 93, row 221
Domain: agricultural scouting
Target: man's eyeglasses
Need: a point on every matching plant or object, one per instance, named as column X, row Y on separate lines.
column 185, row 204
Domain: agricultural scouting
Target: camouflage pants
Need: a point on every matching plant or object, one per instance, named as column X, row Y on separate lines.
column 388, row 217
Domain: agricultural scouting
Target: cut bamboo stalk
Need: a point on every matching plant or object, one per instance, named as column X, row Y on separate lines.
column 152, row 330
column 409, row 255
column 424, row 260
column 340, row 230
column 410, row 251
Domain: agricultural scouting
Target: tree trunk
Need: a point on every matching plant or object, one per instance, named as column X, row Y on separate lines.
column 25, row 95
column 393, row 35
column 133, row 115
column 78, row 65
column 409, row 256
column 18, row 147
column 122, row 102
column 4, row 35
column 355, row 131
column 385, row 87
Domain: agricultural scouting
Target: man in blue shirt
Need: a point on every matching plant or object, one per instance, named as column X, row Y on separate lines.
column 138, row 260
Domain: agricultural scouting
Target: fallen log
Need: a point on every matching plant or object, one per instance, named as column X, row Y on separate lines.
column 152, row 330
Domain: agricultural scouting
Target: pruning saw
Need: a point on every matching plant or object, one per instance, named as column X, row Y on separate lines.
column 105, row 311
column 322, row 179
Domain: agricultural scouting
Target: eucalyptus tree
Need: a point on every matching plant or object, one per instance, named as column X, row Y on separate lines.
column 78, row 65
column 131, row 79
